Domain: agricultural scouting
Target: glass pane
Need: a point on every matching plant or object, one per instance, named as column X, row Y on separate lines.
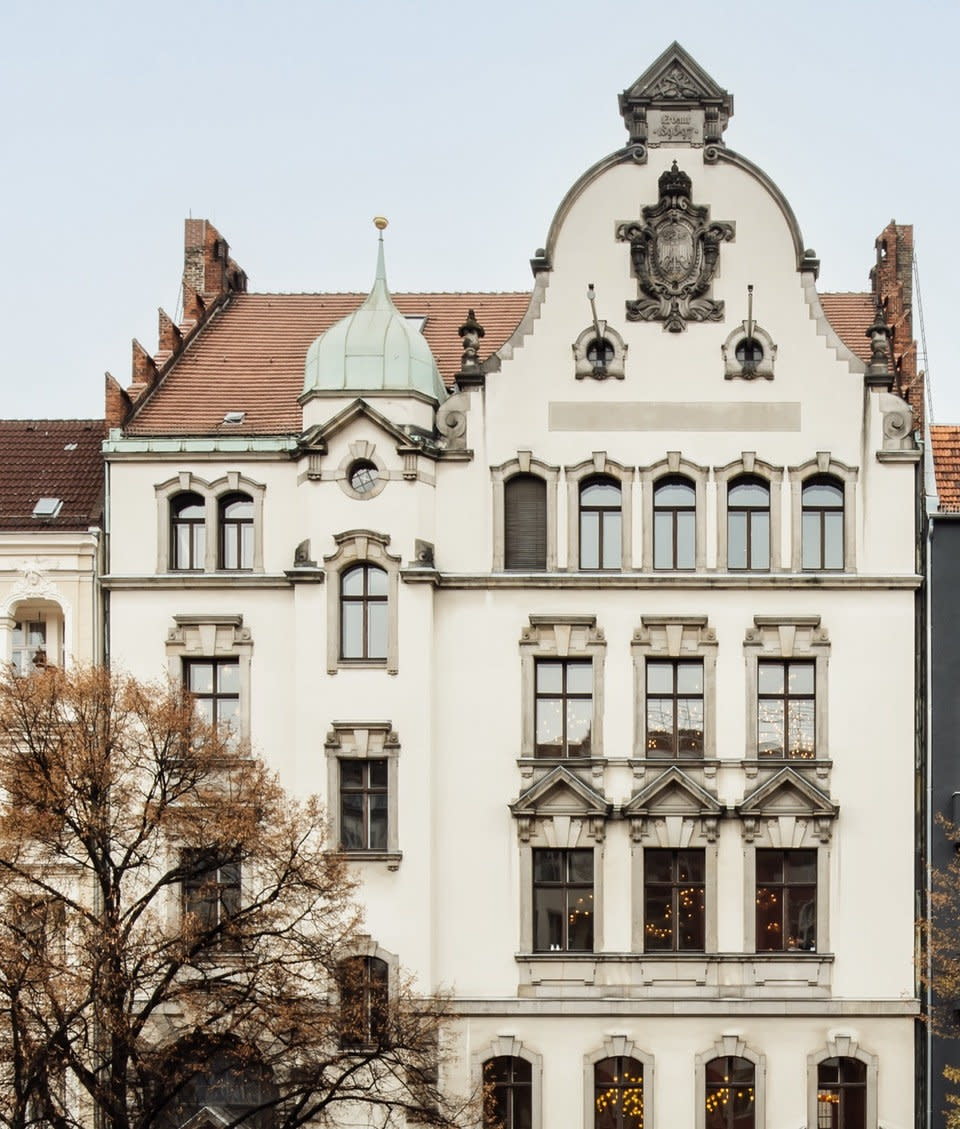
column 351, row 774
column 352, row 830
column 691, row 866
column 800, row 678
column 690, row 906
column 189, row 506
column 589, row 540
column 377, row 631
column 749, row 494
column 770, row 678
column 246, row 546
column 802, row 919
column 658, row 919
column 580, row 919
column 231, row 557
column 769, row 928
column 549, row 727
column 658, row 866
column 376, row 582
column 351, row 636
column 579, row 677
column 351, row 582
column 737, row 540
column 689, row 678
column 378, row 773
column 770, row 729
column 580, row 866
column 823, row 495
column 229, row 677
column 660, row 678
column 810, row 540
column 660, row 725
column 201, row 678
column 611, row 541
column 238, row 509
column 855, row 1105
column 769, row 866
column 760, row 540
column 674, row 494
column 204, row 707
column 833, row 540
column 663, row 540
column 549, row 677
column 182, row 537
column 228, row 713
column 600, row 494
column 548, row 915
column 686, row 540
column 378, row 822
column 800, row 866
column 579, row 721
column 800, row 723
column 547, row 866
column 690, row 725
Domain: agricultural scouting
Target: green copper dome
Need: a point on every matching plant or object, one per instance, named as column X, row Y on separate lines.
column 373, row 349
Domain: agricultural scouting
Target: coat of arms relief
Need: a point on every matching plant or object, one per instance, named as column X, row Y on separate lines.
column 674, row 250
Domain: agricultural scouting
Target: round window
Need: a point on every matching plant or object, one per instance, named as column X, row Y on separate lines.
column 600, row 352
column 749, row 351
column 363, row 476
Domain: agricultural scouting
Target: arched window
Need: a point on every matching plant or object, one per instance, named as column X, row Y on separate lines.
column 231, row 1081
column 674, row 523
column 748, row 524
column 363, row 613
column 618, row 1093
column 507, row 1093
column 187, row 532
column 841, row 1094
column 525, row 523
column 600, row 524
column 730, row 1093
column 364, row 985
column 236, row 531
column 821, row 532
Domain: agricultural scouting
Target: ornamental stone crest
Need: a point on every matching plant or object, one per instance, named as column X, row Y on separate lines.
column 674, row 250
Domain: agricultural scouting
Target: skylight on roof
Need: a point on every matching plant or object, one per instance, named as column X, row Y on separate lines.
column 69, row 446
column 418, row 321
column 234, row 417
column 47, row 507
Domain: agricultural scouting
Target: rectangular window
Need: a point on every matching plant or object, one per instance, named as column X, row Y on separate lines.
column 674, row 899
column 786, row 901
column 215, row 687
column 29, row 645
column 674, row 693
column 211, row 892
column 786, row 710
column 562, row 900
column 564, row 707
column 363, row 805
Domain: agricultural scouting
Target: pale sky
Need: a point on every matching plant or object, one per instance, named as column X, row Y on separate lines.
column 290, row 124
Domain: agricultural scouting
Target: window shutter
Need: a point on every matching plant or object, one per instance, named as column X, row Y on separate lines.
column 525, row 523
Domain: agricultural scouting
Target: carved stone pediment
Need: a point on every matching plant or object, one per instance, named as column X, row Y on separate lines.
column 673, row 796
column 210, row 1117
column 674, row 250
column 787, row 796
column 560, row 792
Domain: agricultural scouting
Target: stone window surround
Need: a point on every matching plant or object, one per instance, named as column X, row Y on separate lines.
column 843, row 1043
column 560, row 637
column 615, row 367
column 362, row 450
column 509, row 1046
column 524, row 463
column 362, row 546
column 731, row 1043
column 599, row 465
column 787, row 638
column 674, row 465
column 365, row 740
column 365, row 946
column 213, row 636
column 616, row 1046
column 211, row 492
column 677, row 833
column 674, row 637
column 825, row 464
column 749, row 464
column 775, row 835
column 560, row 833
column 733, row 369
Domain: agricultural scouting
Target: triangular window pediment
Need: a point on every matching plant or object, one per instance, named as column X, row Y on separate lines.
column 787, row 793
column 317, row 439
column 560, row 792
column 673, row 793
column 676, row 77
column 208, row 1118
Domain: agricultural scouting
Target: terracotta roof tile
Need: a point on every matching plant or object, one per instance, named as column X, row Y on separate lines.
column 249, row 357
column 946, row 464
column 851, row 315
column 51, row 458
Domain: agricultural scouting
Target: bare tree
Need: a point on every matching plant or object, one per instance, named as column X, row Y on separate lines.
column 177, row 933
column 941, row 954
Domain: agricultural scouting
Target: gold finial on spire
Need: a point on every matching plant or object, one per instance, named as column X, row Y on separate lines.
column 379, row 222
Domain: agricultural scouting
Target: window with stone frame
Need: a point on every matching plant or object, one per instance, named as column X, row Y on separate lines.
column 561, row 660
column 524, row 515
column 362, row 760
column 207, row 526
column 563, row 902
column 618, row 1093
column 363, row 582
column 210, row 654
column 364, row 624
column 675, row 685
column 363, row 804
column 507, row 1093
column 674, row 524
column 786, row 900
column 729, row 1095
column 824, row 497
column 211, row 894
column 363, row 984
column 235, row 528
column 188, row 532
column 29, row 645
column 214, row 685
column 674, row 900
column 841, row 1094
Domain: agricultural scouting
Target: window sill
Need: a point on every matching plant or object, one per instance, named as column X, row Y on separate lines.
column 391, row 858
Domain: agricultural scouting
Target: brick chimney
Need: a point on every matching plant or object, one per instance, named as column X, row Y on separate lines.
column 892, row 280
column 208, row 271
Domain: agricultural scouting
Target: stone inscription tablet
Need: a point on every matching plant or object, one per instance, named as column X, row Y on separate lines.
column 566, row 415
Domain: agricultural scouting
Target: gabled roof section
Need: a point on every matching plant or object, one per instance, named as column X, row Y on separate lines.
column 55, row 459
column 851, row 314
column 946, row 465
column 673, row 793
column 674, row 81
column 560, row 792
column 787, row 792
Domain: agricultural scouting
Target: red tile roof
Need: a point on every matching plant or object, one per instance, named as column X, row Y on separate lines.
column 51, row 458
column 250, row 355
column 851, row 315
column 946, row 464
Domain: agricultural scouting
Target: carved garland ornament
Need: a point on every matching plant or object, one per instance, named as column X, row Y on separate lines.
column 674, row 251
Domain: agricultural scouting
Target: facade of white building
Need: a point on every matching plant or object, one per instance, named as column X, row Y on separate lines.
column 603, row 660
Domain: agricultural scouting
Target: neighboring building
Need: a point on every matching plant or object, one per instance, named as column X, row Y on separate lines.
column 573, row 608
column 51, row 507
